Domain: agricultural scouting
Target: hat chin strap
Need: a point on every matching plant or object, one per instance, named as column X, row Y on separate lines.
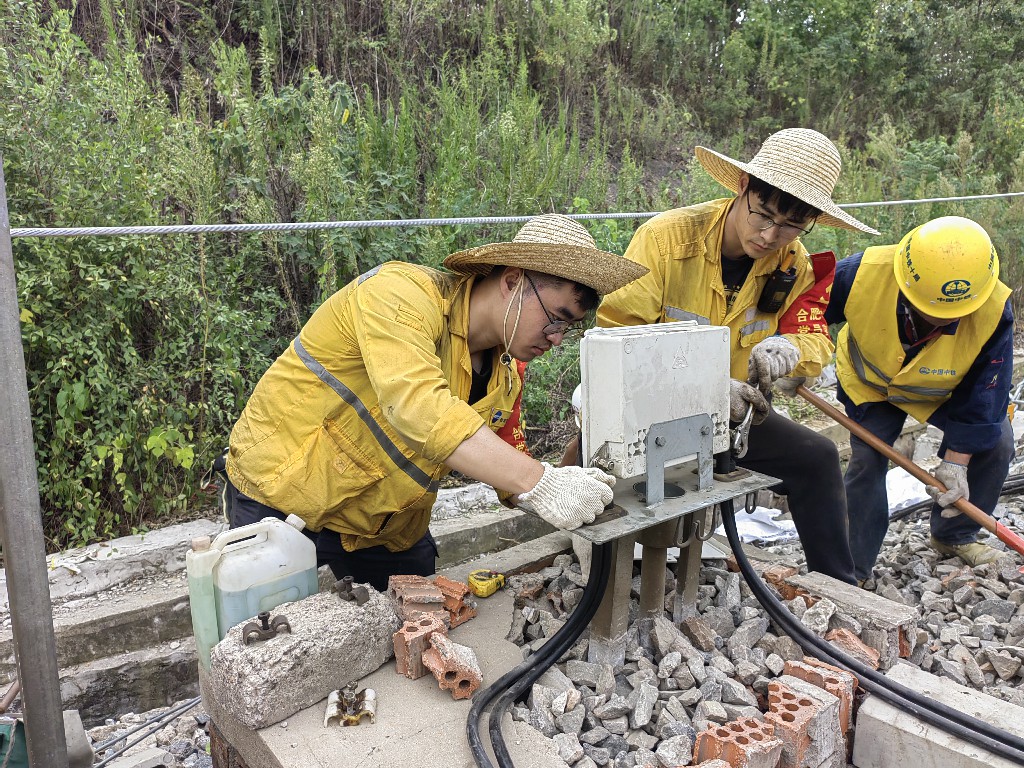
column 506, row 358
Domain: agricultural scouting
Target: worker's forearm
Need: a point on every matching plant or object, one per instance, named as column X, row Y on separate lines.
column 956, row 457
column 489, row 459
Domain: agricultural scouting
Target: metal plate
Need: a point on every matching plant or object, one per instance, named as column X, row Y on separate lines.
column 638, row 516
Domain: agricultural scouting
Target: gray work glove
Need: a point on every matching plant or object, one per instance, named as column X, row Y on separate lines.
column 770, row 360
column 954, row 477
column 787, row 385
column 741, row 395
column 568, row 497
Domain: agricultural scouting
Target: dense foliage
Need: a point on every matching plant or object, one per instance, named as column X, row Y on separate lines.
column 141, row 351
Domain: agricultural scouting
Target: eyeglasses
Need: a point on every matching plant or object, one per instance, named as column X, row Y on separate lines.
column 761, row 222
column 554, row 325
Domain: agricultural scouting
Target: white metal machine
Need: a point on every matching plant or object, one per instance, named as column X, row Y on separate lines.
column 654, row 412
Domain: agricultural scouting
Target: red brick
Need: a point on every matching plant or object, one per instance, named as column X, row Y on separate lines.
column 412, row 640
column 745, row 743
column 838, row 682
column 792, row 715
column 454, row 666
column 461, row 608
column 849, row 643
column 413, row 595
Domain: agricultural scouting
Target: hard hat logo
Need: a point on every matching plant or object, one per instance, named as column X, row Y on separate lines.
column 956, row 288
column 947, row 267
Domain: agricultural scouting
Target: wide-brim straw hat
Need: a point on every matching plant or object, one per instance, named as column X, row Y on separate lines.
column 555, row 245
column 799, row 161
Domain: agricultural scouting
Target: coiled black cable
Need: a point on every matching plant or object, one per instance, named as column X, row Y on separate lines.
column 961, row 725
column 539, row 662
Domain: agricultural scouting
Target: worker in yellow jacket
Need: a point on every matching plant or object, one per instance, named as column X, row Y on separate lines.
column 739, row 262
column 408, row 372
column 929, row 332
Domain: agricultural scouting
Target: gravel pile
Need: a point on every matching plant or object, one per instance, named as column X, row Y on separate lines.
column 717, row 666
column 184, row 738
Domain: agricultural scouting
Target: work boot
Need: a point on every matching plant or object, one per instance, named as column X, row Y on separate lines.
column 973, row 553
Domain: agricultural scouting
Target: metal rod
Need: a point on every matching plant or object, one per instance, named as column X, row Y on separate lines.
column 21, row 528
column 987, row 522
column 10, row 696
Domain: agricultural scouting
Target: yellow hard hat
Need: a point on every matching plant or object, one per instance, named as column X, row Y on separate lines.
column 947, row 267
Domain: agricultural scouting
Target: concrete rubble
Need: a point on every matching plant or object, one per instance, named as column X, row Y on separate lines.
column 331, row 643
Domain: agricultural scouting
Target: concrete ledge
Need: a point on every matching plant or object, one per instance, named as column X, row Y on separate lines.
column 462, row 537
column 131, row 682
column 890, row 738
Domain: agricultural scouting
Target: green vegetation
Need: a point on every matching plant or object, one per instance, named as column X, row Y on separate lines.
column 141, row 351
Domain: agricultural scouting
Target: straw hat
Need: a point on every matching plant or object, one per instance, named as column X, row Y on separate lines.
column 555, row 245
column 799, row 161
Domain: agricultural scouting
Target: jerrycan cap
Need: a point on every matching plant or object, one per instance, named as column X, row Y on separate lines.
column 295, row 522
column 201, row 543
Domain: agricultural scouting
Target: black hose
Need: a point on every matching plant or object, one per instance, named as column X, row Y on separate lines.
column 560, row 642
column 945, row 718
column 484, row 698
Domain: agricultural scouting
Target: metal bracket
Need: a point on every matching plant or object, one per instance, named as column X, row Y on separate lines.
column 353, row 593
column 670, row 440
column 265, row 629
column 347, row 707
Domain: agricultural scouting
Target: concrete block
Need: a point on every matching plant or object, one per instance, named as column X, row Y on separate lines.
column 455, row 666
column 80, row 752
column 470, row 535
column 457, row 600
column 889, row 627
column 154, row 757
column 741, row 743
column 412, row 640
column 331, row 643
column 887, row 736
column 827, row 747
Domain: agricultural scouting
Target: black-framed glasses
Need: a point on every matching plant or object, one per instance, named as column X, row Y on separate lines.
column 761, row 222
column 554, row 324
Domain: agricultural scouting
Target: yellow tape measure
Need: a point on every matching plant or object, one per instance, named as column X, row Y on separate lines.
column 484, row 582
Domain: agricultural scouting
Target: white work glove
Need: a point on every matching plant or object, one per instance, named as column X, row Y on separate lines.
column 770, row 360
column 954, row 477
column 568, row 497
column 741, row 395
column 787, row 385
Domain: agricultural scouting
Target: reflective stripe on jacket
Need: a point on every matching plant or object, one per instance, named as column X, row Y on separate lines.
column 869, row 355
column 682, row 248
column 350, row 427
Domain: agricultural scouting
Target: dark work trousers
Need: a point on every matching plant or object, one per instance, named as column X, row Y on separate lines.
column 373, row 565
column 808, row 466
column 869, row 503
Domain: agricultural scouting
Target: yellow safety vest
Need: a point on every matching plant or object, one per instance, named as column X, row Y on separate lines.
column 682, row 248
column 350, row 427
column 869, row 355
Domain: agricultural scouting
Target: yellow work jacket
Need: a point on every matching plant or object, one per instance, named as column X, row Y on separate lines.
column 350, row 427
column 870, row 358
column 682, row 248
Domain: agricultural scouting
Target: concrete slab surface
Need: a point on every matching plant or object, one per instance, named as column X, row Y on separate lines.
column 417, row 723
column 887, row 737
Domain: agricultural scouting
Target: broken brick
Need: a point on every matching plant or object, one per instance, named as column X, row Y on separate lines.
column 803, row 725
column 412, row 640
column 838, row 682
column 413, row 595
column 852, row 645
column 455, row 666
column 745, row 743
column 460, row 608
